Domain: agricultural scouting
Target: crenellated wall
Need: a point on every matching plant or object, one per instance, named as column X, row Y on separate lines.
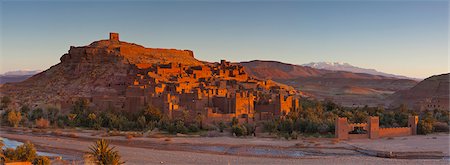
column 342, row 129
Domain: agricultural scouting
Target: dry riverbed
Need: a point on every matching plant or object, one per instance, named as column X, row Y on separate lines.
column 72, row 144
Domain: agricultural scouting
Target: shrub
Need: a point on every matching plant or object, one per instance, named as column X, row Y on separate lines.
column 41, row 160
column 180, row 128
column 104, row 154
column 294, row 135
column 440, row 127
column 250, row 128
column 193, row 128
column 270, row 126
column 239, row 130
column 14, row 118
column 425, row 127
column 234, row 121
column 221, row 126
column 42, row 123
column 25, row 152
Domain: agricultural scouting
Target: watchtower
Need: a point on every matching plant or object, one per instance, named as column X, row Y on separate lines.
column 412, row 123
column 114, row 36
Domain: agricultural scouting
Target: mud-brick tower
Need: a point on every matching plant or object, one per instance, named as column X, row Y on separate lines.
column 114, row 36
column 412, row 123
column 341, row 128
column 373, row 127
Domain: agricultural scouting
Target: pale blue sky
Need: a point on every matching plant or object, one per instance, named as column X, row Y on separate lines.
column 399, row 37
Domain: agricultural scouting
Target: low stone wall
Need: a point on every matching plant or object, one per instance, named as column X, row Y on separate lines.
column 393, row 132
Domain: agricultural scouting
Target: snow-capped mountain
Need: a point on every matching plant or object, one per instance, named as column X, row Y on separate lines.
column 340, row 66
column 21, row 72
column 17, row 76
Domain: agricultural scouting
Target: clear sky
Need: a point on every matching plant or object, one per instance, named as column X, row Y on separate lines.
column 399, row 37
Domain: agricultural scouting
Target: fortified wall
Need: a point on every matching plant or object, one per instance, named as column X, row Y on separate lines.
column 371, row 129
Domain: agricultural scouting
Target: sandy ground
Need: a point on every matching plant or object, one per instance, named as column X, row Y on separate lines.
column 142, row 150
column 434, row 142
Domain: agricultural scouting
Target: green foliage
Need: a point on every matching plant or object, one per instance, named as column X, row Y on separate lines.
column 251, row 128
column 234, row 121
column 286, row 126
column 52, row 114
column 36, row 114
column 270, row 126
column 221, row 126
column 239, row 130
column 425, row 125
column 41, row 160
column 104, row 154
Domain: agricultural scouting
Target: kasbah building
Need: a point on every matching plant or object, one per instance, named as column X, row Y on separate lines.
column 214, row 92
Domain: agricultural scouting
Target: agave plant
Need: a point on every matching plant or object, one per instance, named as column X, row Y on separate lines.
column 104, row 154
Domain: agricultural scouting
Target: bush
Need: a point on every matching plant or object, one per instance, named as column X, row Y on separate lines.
column 14, row 118
column 250, row 128
column 42, row 123
column 294, row 135
column 193, row 128
column 270, row 126
column 104, row 154
column 24, row 153
column 41, row 160
column 221, row 126
column 239, row 130
column 425, row 127
column 440, row 127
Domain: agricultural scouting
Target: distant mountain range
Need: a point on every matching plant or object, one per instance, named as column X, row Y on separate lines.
column 344, row 87
column 21, row 72
column 339, row 66
column 17, row 76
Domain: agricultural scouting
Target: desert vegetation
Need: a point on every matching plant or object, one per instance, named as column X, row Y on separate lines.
column 103, row 154
column 23, row 153
column 313, row 118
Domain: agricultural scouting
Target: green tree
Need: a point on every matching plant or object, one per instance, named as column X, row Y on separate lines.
column 104, row 154
column 52, row 114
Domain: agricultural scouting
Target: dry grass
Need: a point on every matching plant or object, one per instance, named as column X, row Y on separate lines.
column 42, row 123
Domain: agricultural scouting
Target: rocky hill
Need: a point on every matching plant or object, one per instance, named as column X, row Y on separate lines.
column 101, row 67
column 346, row 88
column 431, row 93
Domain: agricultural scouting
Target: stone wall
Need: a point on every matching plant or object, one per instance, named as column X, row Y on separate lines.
column 342, row 129
column 393, row 132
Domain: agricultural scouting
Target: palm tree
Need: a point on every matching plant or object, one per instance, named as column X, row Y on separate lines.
column 103, row 154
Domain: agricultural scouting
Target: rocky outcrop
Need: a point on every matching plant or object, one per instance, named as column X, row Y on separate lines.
column 102, row 67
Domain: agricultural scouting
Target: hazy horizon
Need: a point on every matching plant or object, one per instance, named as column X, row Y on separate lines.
column 397, row 37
